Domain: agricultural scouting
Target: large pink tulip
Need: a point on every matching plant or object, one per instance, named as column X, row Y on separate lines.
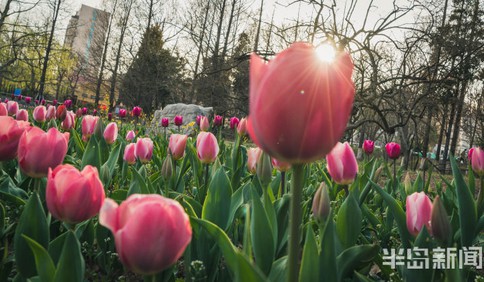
column 10, row 132
column 478, row 161
column 253, row 155
column 39, row 150
column 207, row 147
column 73, row 196
column 342, row 165
column 3, row 109
column 111, row 133
column 40, row 113
column 368, row 146
column 204, row 123
column 177, row 145
column 393, row 150
column 22, row 115
column 88, row 126
column 12, row 108
column 299, row 104
column 419, row 212
column 69, row 121
column 151, row 232
column 129, row 153
column 144, row 150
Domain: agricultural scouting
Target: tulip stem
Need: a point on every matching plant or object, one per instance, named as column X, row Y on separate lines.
column 37, row 184
column 282, row 190
column 480, row 198
column 295, row 218
column 394, row 176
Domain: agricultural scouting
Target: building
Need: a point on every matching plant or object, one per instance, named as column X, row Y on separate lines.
column 86, row 35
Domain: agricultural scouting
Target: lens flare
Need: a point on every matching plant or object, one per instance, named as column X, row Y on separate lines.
column 326, row 53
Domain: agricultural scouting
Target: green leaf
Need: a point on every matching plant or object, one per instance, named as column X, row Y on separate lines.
column 398, row 215
column 43, row 261
column 348, row 224
column 310, row 259
column 55, row 247
column 216, row 207
column 261, row 235
column 10, row 192
column 139, row 182
column 239, row 264
column 33, row 224
column 327, row 256
column 71, row 263
column 92, row 154
column 355, row 258
column 279, row 270
column 467, row 206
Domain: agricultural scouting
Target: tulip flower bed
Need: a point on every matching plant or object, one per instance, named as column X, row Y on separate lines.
column 85, row 199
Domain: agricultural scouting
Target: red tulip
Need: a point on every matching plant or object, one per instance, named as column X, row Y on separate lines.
column 122, row 113
column 197, row 120
column 3, row 109
column 110, row 116
column 177, row 145
column 207, row 147
column 136, row 111
column 234, row 122
column 130, row 136
column 393, row 150
column 368, row 146
column 217, row 120
column 253, row 156
column 40, row 113
column 299, row 104
column 22, row 115
column 54, row 102
column 84, row 111
column 342, row 165
column 68, row 103
column 111, row 133
column 10, row 132
column 88, row 126
column 38, row 150
column 74, row 196
column 69, row 121
column 478, row 162
column 204, row 124
column 165, row 122
column 469, row 154
column 280, row 166
column 94, row 112
column 12, row 108
column 419, row 212
column 144, row 150
column 178, row 120
column 61, row 113
column 28, row 100
column 129, row 153
column 151, row 232
column 50, row 113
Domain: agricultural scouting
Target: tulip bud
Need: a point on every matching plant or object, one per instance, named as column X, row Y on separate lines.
column 40, row 113
column 144, row 150
column 68, row 103
column 377, row 174
column 167, row 168
column 321, row 203
column 122, row 113
column 419, row 212
column 136, row 111
column 217, row 120
column 253, row 155
column 84, row 111
column 165, row 122
column 69, row 121
column 111, row 133
column 441, row 228
column 10, row 133
column 88, row 126
column 368, row 146
column 177, row 145
column 42, row 102
column 393, row 150
column 12, row 108
column 234, row 122
column 178, row 120
column 94, row 112
column 3, row 109
column 242, row 127
column 408, row 184
column 342, row 165
column 79, row 113
column 129, row 154
column 204, row 124
column 28, row 100
column 50, row 113
column 264, row 169
column 61, row 112
column 22, row 115
column 197, row 120
column 130, row 136
column 478, row 161
column 110, row 116
column 54, row 102
column 207, row 147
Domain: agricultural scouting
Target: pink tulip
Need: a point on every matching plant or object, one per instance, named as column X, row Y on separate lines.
column 69, row 121
column 204, row 124
column 368, row 146
column 178, row 120
column 10, row 132
column 393, row 150
column 122, row 113
column 419, row 212
column 129, row 153
column 12, row 108
column 242, row 127
column 177, row 145
column 207, row 147
column 165, row 122
column 74, row 196
column 22, row 115
column 217, row 120
column 197, row 120
column 469, row 154
column 234, row 122
column 54, row 102
column 111, row 133
column 299, row 104
column 151, row 232
column 68, row 103
column 478, row 162
column 3, row 109
column 88, row 126
column 40, row 113
column 130, row 136
column 50, row 113
column 144, row 150
column 94, row 112
column 253, row 156
column 136, row 111
column 79, row 113
column 280, row 166
column 28, row 100
column 342, row 165
column 84, row 111
column 39, row 150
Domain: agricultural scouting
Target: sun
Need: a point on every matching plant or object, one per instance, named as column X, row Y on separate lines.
column 326, row 53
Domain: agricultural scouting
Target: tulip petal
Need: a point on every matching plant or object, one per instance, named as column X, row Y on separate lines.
column 108, row 215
